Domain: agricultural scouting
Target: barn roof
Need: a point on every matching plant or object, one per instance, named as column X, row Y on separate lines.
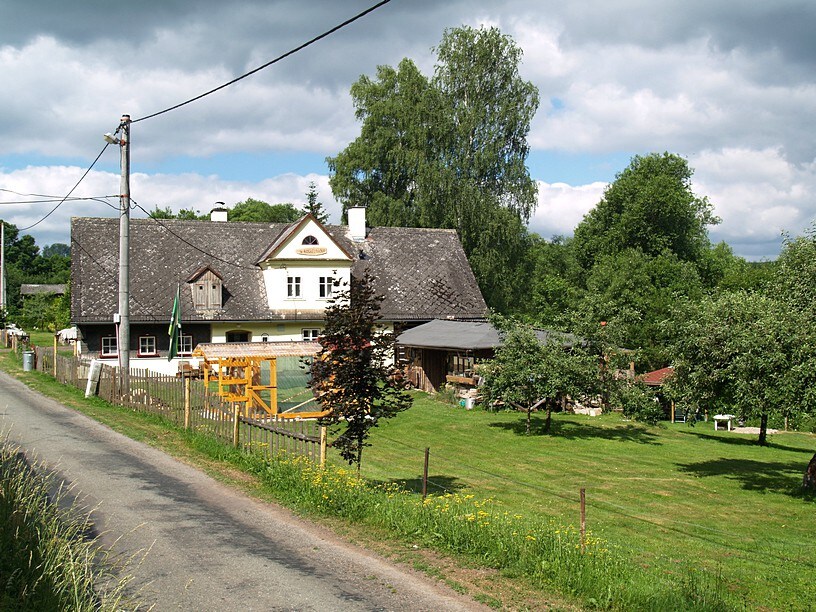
column 422, row 273
column 464, row 336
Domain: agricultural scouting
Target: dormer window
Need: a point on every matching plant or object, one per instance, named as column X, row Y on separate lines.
column 207, row 294
column 208, row 288
column 310, row 241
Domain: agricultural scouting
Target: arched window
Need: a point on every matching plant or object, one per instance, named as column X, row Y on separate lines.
column 310, row 240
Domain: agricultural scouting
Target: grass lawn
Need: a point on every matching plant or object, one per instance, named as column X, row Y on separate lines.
column 676, row 497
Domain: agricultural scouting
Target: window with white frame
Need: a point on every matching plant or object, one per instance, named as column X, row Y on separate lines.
column 185, row 346
column 326, row 283
column 310, row 241
column 310, row 335
column 109, row 346
column 147, row 345
column 293, row 286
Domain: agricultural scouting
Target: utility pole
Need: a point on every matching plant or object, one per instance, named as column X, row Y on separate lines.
column 123, row 341
column 3, row 266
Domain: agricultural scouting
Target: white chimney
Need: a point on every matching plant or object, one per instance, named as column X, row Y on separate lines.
column 219, row 213
column 357, row 223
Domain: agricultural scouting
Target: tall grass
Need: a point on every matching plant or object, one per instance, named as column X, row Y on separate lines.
column 548, row 554
column 47, row 560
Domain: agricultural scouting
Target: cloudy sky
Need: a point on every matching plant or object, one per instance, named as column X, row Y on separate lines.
column 730, row 85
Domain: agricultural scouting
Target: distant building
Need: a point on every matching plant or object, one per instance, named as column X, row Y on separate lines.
column 42, row 289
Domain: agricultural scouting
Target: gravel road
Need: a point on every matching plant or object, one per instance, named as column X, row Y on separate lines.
column 204, row 545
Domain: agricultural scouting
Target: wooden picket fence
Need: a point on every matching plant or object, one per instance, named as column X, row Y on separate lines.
column 186, row 403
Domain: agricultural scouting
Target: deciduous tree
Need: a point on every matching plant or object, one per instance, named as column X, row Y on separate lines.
column 649, row 206
column 261, row 212
column 735, row 353
column 528, row 372
column 353, row 375
column 449, row 152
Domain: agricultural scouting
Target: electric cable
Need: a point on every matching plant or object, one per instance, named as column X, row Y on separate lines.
column 267, row 64
column 47, row 199
column 82, row 178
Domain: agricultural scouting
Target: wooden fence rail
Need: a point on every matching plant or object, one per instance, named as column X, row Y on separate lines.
column 186, row 403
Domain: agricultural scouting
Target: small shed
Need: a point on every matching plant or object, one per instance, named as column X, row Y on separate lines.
column 656, row 379
column 249, row 373
column 446, row 351
column 442, row 351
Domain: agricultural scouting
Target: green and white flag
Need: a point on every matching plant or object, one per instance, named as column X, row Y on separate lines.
column 174, row 331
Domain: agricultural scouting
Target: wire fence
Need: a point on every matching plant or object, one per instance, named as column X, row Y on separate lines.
column 742, row 545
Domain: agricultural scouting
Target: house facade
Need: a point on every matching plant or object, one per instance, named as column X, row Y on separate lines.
column 256, row 282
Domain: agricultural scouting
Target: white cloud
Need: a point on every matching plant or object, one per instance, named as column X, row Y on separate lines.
column 561, row 207
column 759, row 194
column 727, row 84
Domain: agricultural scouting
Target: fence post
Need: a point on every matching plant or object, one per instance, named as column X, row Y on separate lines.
column 425, row 474
column 187, row 402
column 583, row 519
column 235, row 412
column 323, row 437
column 55, row 355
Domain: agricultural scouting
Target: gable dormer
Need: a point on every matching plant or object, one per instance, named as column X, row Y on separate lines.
column 305, row 239
column 207, row 287
column 303, row 266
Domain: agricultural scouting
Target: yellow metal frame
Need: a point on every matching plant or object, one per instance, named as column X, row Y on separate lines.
column 237, row 379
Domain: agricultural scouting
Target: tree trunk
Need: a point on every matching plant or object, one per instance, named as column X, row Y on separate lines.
column 809, row 481
column 763, row 429
column 548, row 422
column 529, row 412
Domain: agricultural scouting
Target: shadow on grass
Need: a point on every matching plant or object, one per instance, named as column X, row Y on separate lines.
column 574, row 430
column 757, row 476
column 437, row 485
column 742, row 440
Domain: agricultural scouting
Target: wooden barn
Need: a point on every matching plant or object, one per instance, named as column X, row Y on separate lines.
column 445, row 351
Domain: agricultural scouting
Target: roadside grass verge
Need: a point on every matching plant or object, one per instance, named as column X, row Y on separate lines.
column 49, row 560
column 545, row 552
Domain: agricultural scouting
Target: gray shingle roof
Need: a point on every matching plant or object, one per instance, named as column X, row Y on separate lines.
column 423, row 273
column 467, row 336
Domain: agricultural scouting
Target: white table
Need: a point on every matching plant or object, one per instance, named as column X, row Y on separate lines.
column 723, row 418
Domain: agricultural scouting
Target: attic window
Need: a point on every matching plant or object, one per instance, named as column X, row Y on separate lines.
column 207, row 292
column 310, row 241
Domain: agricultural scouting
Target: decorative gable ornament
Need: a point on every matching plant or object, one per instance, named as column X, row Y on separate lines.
column 306, row 237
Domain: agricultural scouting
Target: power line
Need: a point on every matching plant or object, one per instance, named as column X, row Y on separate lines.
column 266, row 65
column 82, row 178
column 47, row 199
